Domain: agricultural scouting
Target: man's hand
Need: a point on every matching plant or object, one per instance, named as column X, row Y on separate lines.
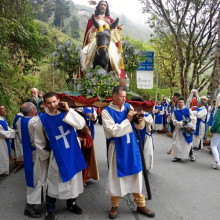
column 131, row 115
column 188, row 129
column 140, row 119
column 140, row 115
column 89, row 114
column 64, row 106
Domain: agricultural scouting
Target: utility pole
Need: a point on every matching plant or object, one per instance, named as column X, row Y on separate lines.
column 53, row 77
column 157, row 76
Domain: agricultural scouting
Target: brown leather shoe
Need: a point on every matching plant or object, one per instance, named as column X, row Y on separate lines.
column 113, row 213
column 145, row 211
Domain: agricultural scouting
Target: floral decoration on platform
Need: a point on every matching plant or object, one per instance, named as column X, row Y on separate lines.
column 96, row 82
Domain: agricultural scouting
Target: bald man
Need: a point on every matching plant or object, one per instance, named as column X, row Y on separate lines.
column 26, row 130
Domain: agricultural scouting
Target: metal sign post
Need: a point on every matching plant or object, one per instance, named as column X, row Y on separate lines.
column 157, row 76
column 145, row 71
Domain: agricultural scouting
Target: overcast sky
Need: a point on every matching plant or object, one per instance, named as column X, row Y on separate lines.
column 130, row 8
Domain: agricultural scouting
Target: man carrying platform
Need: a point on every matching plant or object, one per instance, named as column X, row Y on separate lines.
column 32, row 167
column 124, row 159
column 56, row 139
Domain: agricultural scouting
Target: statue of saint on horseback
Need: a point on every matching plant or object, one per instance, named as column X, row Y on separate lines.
column 102, row 43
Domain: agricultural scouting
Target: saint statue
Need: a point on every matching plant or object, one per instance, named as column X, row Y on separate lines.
column 114, row 48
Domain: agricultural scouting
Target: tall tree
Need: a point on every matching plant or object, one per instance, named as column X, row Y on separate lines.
column 22, row 47
column 215, row 77
column 72, row 27
column 193, row 25
column 164, row 49
column 62, row 11
column 44, row 9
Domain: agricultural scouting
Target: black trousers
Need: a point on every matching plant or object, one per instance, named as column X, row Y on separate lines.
column 50, row 203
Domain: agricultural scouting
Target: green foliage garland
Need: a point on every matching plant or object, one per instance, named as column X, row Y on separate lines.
column 97, row 82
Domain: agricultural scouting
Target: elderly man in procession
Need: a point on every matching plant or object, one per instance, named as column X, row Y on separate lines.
column 185, row 124
column 193, row 99
column 125, row 168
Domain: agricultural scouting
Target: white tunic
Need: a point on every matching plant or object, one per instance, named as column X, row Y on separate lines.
column 18, row 143
column 39, row 171
column 157, row 127
column 180, row 148
column 148, row 143
column 118, row 186
column 197, row 138
column 56, row 188
column 4, row 157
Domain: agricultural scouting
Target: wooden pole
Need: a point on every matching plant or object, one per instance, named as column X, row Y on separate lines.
column 147, row 184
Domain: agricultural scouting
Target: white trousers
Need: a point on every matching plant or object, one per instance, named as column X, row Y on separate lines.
column 215, row 146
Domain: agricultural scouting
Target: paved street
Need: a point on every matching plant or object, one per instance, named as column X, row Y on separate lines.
column 180, row 191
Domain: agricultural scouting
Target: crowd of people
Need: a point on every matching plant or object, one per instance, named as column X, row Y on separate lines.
column 189, row 122
column 55, row 144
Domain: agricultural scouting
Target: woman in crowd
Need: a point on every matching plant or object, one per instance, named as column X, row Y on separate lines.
column 215, row 130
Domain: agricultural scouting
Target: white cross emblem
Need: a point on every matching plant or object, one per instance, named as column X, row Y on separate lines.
column 63, row 135
column 128, row 139
column 88, row 119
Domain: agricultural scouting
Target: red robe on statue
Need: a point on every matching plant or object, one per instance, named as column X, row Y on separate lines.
column 91, row 29
column 90, row 26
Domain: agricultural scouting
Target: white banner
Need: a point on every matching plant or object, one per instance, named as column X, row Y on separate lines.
column 145, row 79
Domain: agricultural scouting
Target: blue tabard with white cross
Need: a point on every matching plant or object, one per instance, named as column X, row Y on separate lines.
column 128, row 156
column 180, row 114
column 211, row 117
column 5, row 126
column 89, row 121
column 158, row 117
column 63, row 141
column 199, row 120
column 27, row 152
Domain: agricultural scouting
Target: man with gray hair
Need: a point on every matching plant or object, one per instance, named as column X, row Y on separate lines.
column 124, row 159
column 26, row 130
column 35, row 97
column 200, row 113
column 193, row 99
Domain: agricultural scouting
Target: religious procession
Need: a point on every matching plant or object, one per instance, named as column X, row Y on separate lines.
column 108, row 129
